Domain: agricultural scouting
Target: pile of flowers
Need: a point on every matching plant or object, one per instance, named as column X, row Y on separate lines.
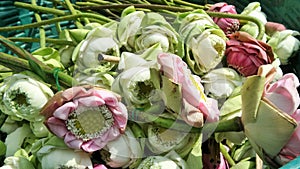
column 144, row 85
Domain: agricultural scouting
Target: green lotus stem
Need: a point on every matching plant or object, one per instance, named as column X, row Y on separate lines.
column 189, row 4
column 221, row 126
column 14, row 63
column 226, row 155
column 147, row 6
column 41, row 29
column 20, row 64
column 99, row 2
column 37, row 8
column 17, row 50
column 136, row 129
column 99, row 18
column 73, row 12
column 48, row 40
column 260, row 25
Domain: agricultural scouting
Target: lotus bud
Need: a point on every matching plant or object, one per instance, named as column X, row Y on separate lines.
column 128, row 27
column 134, row 83
column 253, row 9
column 284, row 44
column 246, row 54
column 220, row 83
column 228, row 25
column 146, row 30
column 273, row 27
column 205, row 41
column 49, row 56
column 195, row 106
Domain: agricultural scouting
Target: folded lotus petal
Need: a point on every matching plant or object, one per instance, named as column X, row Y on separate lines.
column 120, row 118
column 92, row 101
column 64, row 111
column 73, row 92
column 213, row 110
column 283, row 93
column 291, row 150
column 58, row 127
column 72, row 141
column 192, row 115
column 177, row 70
column 108, row 97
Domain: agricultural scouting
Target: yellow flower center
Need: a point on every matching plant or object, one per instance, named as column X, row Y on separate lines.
column 89, row 122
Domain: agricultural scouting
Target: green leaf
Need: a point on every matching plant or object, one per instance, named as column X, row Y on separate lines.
column 244, row 165
column 173, row 96
column 271, row 130
column 194, row 159
column 2, row 148
column 252, row 91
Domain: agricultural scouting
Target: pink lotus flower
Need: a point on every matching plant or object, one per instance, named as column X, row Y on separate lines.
column 246, row 54
column 228, row 25
column 272, row 27
column 100, row 166
column 86, row 117
column 284, row 95
column 292, row 149
column 196, row 106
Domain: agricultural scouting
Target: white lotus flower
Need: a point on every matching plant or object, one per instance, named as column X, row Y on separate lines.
column 161, row 140
column 284, row 44
column 22, row 97
column 52, row 157
column 220, row 83
column 124, row 151
column 14, row 162
column 170, row 161
column 99, row 41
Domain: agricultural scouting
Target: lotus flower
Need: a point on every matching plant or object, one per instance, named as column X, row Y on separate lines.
column 161, row 140
column 253, row 9
column 125, row 151
column 146, row 30
column 98, row 42
column 86, row 117
column 220, row 83
column 228, row 25
column 195, row 107
column 284, row 44
column 271, row 103
column 22, row 97
column 171, row 161
column 204, row 40
column 246, row 54
column 55, row 157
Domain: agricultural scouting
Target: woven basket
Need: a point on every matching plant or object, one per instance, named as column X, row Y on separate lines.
column 10, row 15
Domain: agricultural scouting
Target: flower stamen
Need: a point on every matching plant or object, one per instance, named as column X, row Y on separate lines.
column 89, row 122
